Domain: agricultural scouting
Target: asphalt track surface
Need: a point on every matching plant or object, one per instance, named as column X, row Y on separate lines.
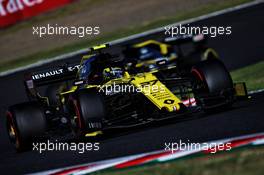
column 243, row 47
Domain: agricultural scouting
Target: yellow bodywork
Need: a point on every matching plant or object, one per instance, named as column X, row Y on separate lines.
column 157, row 92
column 240, row 89
column 93, row 134
column 147, row 84
column 209, row 51
column 102, row 46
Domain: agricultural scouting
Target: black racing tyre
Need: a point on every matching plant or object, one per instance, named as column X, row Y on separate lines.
column 89, row 109
column 25, row 122
column 215, row 83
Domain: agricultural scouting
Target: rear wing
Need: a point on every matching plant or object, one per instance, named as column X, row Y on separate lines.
column 50, row 76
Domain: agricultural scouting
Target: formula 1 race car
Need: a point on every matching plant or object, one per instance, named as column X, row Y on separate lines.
column 99, row 94
column 183, row 51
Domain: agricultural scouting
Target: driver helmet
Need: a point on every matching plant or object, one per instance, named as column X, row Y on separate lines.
column 112, row 73
column 148, row 53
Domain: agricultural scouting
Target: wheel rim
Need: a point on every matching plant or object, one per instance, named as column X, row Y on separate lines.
column 78, row 115
column 77, row 124
column 12, row 131
column 201, row 86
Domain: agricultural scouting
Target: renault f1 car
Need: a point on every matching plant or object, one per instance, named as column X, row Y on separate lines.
column 100, row 94
column 183, row 51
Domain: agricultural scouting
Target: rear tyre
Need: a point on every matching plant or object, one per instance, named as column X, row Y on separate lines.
column 213, row 84
column 89, row 110
column 25, row 122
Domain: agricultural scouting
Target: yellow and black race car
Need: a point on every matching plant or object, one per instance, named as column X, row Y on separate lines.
column 100, row 94
column 183, row 51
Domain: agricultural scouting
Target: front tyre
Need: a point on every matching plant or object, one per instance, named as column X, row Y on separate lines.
column 213, row 84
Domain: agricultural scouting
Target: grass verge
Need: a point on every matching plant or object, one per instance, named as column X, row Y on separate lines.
column 118, row 34
column 253, row 75
column 246, row 161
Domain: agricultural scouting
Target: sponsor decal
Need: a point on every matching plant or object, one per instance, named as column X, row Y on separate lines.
column 47, row 74
column 51, row 73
